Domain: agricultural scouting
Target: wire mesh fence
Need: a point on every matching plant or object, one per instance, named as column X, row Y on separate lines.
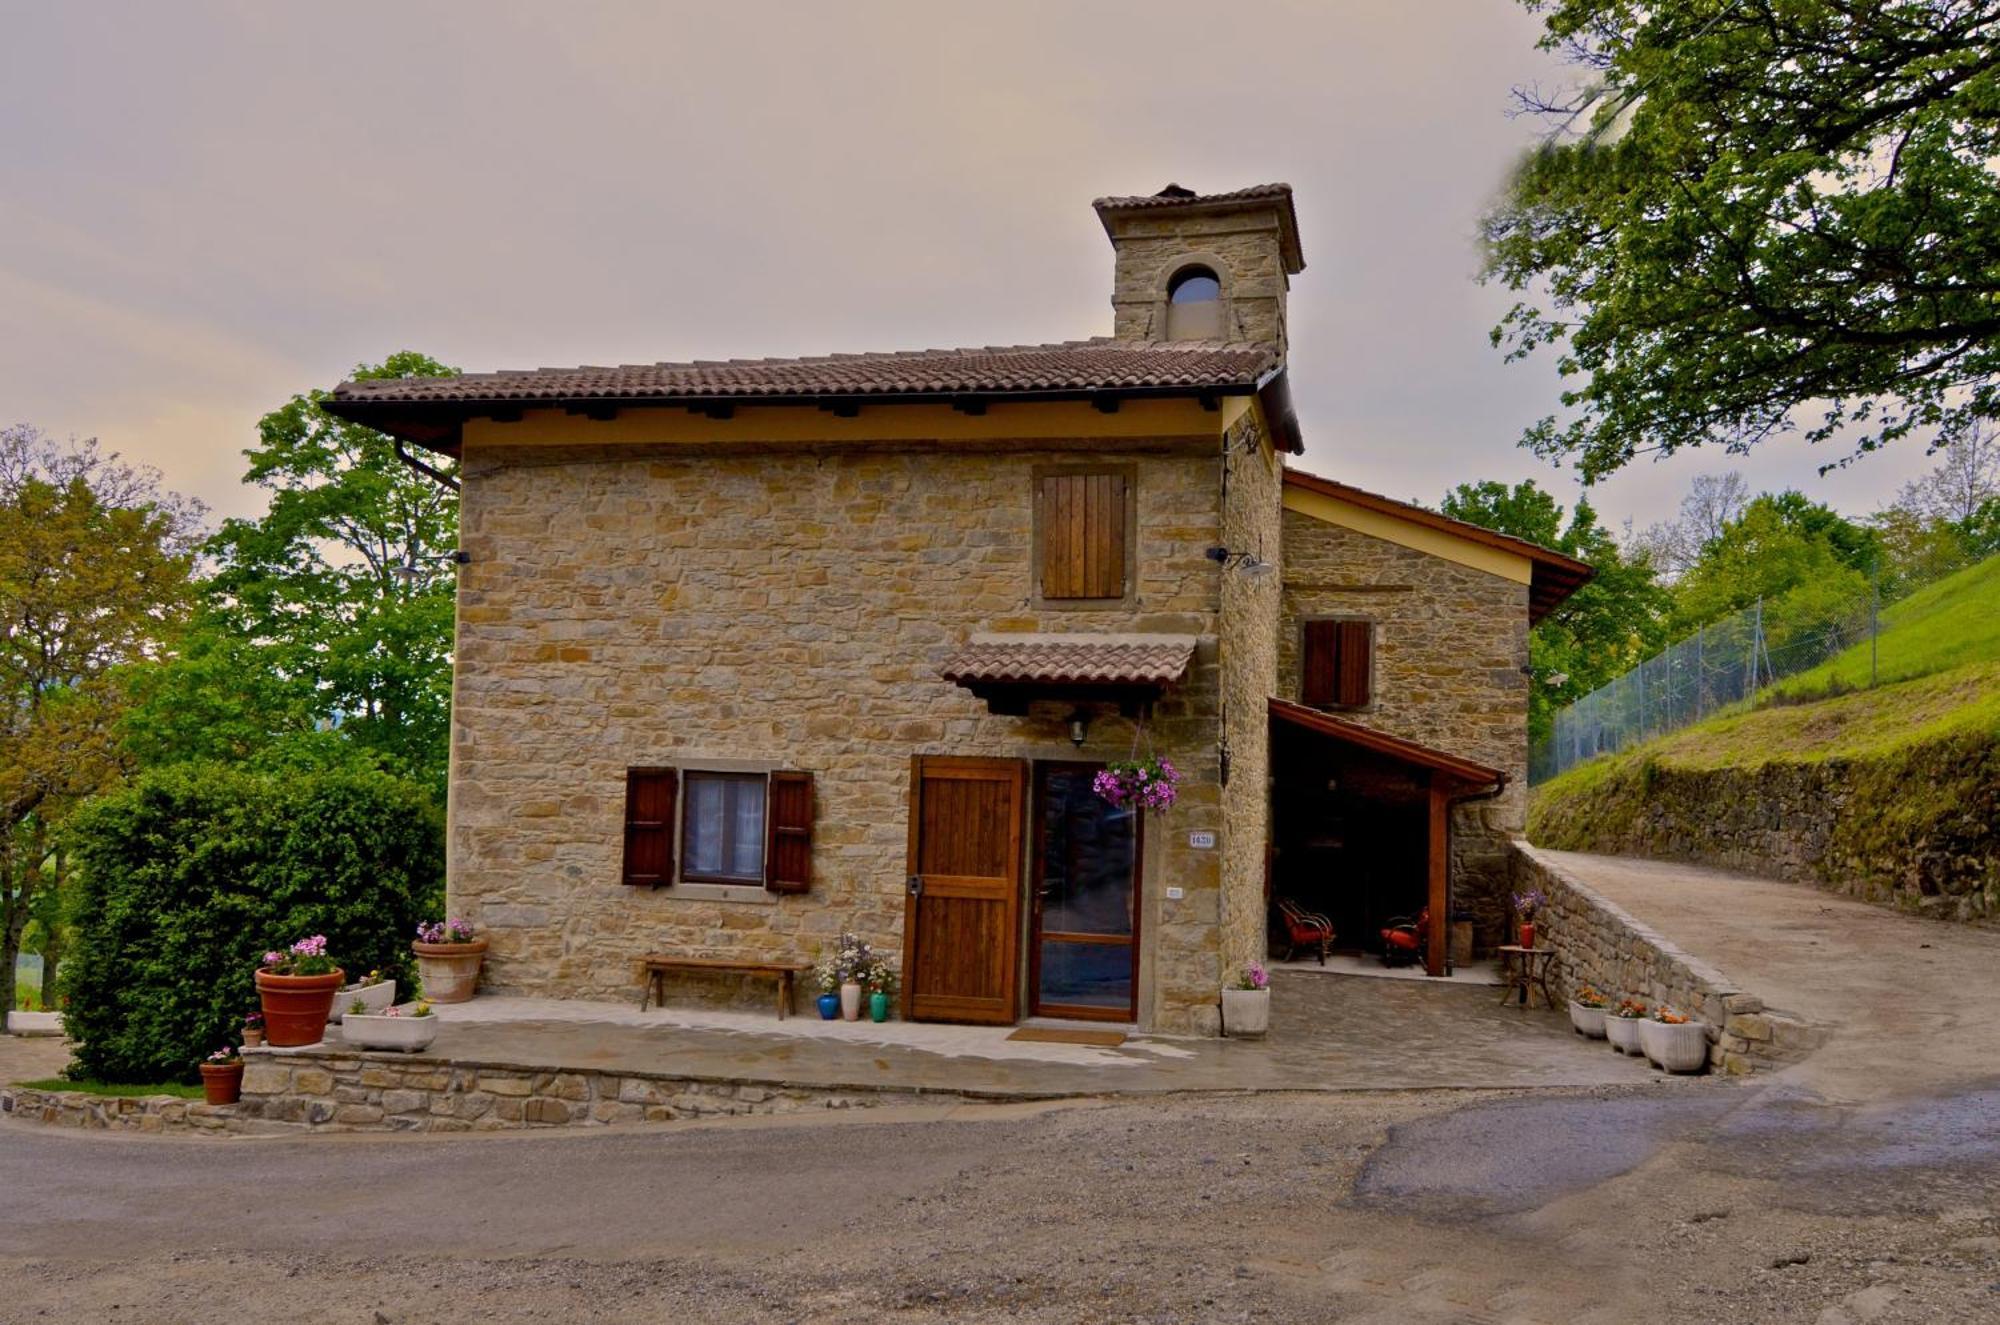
column 1723, row 663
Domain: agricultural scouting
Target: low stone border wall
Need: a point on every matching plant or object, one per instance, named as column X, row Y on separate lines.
column 1598, row 943
column 344, row 1090
column 130, row 1113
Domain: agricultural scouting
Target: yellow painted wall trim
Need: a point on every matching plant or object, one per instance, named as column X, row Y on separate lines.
column 1405, row 533
column 1055, row 420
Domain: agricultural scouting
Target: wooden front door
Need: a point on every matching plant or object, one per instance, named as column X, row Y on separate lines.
column 961, row 911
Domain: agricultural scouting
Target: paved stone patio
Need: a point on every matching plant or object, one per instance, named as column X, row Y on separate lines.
column 1329, row 1032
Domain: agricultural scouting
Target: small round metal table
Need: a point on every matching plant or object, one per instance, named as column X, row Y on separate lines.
column 1524, row 970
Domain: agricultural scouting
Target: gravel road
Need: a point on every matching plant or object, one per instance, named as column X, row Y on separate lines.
column 1697, row 1203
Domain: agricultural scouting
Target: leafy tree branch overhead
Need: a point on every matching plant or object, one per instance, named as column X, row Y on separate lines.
column 1760, row 216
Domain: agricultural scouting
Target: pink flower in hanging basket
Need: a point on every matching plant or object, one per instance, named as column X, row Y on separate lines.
column 1149, row 784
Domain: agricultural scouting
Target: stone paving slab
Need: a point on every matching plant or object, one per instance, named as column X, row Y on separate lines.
column 1328, row 1032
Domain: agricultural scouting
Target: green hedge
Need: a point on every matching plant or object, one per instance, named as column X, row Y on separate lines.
column 187, row 876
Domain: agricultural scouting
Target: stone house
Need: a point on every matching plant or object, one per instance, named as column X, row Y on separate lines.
column 753, row 652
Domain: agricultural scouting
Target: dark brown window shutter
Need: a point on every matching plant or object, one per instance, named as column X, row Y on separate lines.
column 1335, row 666
column 788, row 833
column 1351, row 687
column 1320, row 644
column 1083, row 535
column 649, row 826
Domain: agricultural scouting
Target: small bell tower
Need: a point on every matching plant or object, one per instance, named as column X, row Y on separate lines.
column 1195, row 266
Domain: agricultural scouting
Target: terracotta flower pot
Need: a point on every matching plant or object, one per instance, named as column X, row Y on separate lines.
column 449, row 971
column 222, row 1083
column 296, row 1006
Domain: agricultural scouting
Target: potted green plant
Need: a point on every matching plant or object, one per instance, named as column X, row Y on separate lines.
column 296, row 986
column 829, row 988
column 1586, row 1011
column 409, row 1027
column 1621, row 1027
column 881, row 985
column 1246, row 1003
column 852, row 959
column 1674, row 1041
column 222, row 1077
column 372, row 992
column 449, row 954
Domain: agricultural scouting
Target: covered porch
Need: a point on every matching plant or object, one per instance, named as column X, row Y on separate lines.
column 1361, row 830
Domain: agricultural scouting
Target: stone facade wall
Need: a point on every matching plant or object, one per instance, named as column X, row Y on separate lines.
column 1242, row 245
column 1598, row 943
column 1450, row 645
column 1250, row 611
column 631, row 607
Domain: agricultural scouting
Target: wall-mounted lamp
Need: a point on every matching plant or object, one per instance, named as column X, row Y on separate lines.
column 409, row 570
column 1079, row 727
column 1249, row 564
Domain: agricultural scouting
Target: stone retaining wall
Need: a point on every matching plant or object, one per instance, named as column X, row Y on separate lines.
column 1598, row 943
column 129, row 1113
column 346, row 1091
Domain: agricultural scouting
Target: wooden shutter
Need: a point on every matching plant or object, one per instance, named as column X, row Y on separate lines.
column 649, row 826
column 788, row 821
column 1083, row 519
column 1336, row 664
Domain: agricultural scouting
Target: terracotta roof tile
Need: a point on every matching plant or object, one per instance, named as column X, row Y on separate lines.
column 1071, row 659
column 1084, row 365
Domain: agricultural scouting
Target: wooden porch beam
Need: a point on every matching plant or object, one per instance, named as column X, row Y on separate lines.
column 1440, row 865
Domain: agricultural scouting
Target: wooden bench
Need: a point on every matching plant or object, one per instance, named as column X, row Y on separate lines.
column 655, row 969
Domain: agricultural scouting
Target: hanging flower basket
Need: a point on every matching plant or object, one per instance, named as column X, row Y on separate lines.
column 1148, row 784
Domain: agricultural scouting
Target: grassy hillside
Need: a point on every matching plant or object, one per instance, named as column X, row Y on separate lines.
column 1891, row 794
column 1942, row 626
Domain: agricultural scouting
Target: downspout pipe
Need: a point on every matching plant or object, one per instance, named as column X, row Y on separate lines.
column 429, row 471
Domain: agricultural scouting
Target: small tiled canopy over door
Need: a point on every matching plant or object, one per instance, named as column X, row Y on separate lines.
column 961, row 917
column 1336, row 666
column 1083, row 535
column 649, row 826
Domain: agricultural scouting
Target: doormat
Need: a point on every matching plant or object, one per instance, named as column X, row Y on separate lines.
column 1056, row 1035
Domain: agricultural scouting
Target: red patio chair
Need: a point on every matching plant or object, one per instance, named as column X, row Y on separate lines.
column 1404, row 940
column 1304, row 929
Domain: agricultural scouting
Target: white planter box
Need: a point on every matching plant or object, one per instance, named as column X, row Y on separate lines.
column 379, row 997
column 1623, row 1032
column 409, row 1034
column 1246, row 1013
column 1588, row 1021
column 1681, row 1048
column 34, row 1023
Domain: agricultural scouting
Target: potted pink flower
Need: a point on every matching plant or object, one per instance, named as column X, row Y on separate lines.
column 449, row 954
column 222, row 1077
column 1246, row 1003
column 296, row 986
column 1151, row 783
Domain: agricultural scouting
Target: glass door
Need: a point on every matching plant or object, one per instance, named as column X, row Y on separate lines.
column 1084, row 913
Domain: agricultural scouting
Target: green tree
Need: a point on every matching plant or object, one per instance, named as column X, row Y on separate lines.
column 1807, row 565
column 1760, row 215
column 1600, row 631
column 94, row 572
column 343, row 590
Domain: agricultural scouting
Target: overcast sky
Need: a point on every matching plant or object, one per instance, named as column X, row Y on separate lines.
column 209, row 207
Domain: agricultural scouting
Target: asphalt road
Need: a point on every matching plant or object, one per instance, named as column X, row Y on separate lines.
column 1714, row 1202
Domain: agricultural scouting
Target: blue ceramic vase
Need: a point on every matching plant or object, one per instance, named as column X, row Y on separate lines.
column 829, row 1006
